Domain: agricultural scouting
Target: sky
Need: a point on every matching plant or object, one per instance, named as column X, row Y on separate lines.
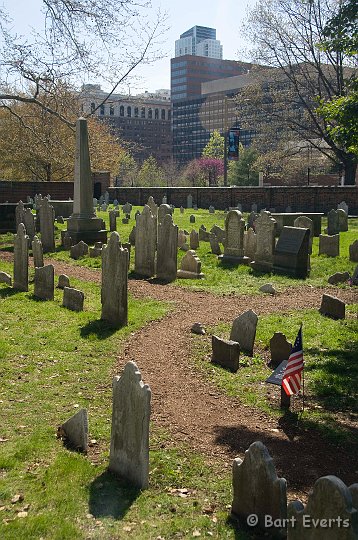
column 224, row 15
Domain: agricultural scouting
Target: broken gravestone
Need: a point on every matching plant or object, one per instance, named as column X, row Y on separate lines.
column 75, row 431
column 244, row 331
column 332, row 307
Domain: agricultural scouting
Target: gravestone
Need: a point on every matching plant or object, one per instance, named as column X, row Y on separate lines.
column 342, row 220
column 47, row 229
column 63, row 281
column 250, row 244
column 192, row 218
column 190, row 267
column 328, row 245
column 353, row 251
column 225, row 353
column 181, row 239
column 332, row 222
column 194, row 240
column 167, row 250
column 265, row 228
column 254, row 207
column 163, row 210
column 73, row 299
column 60, row 220
column 129, row 451
column 195, row 207
column 112, row 220
column 145, row 243
column 21, row 259
column 114, row 286
column 153, row 207
column 243, row 331
column 204, row 235
column 67, row 241
column 19, row 213
column 211, row 210
column 75, row 430
column 83, row 224
column 251, row 220
column 29, row 222
column 258, row 490
column 219, row 232
column 37, row 252
column 338, row 277
column 79, row 250
column 5, row 278
column 305, row 222
column 354, row 279
column 344, row 206
column 234, row 238
column 332, row 505
column 44, row 282
column 189, row 201
column 214, row 244
column 181, row 210
column 164, row 199
column 106, row 197
column 127, row 208
column 332, row 307
column 132, row 236
column 280, row 349
column 291, row 252
column 115, row 203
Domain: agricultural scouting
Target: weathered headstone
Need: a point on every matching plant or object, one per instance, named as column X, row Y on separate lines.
column 190, row 267
column 280, row 349
column 96, row 250
column 145, row 243
column 19, row 213
column 265, row 227
column 344, row 206
column 44, row 282
column 194, row 240
column 181, row 239
column 75, row 430
column 21, row 259
column 353, row 251
column 332, row 222
column 328, row 245
column 191, row 218
column 127, row 208
column 211, row 210
column 342, row 220
column 163, row 210
column 63, row 281
column 167, row 250
column 47, row 229
column 5, row 278
column 338, row 277
column 153, row 207
column 251, row 220
column 226, row 353
column 114, row 290
column 214, row 244
column 132, row 236
column 291, row 252
column 332, row 307
column 250, row 244
column 29, row 222
column 164, row 199
column 181, row 210
column 129, row 451
column 305, row 222
column 204, row 235
column 234, row 238
column 331, row 512
column 37, row 252
column 219, row 232
column 73, row 299
column 79, row 250
column 189, row 201
column 243, row 331
column 258, row 490
column 112, row 220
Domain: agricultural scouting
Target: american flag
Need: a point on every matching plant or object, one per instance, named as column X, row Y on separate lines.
column 291, row 380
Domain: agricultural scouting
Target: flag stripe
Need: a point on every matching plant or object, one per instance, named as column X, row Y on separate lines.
column 291, row 380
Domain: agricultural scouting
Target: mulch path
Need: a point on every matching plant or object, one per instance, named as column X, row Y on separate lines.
column 195, row 411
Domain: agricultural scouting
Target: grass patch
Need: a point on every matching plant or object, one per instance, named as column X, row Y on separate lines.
column 53, row 361
column 331, row 369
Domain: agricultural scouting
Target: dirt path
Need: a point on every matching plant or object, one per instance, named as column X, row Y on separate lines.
column 195, row 411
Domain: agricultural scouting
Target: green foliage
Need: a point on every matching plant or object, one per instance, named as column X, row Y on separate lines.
column 127, row 171
column 150, row 173
column 242, row 172
column 215, row 146
column 340, row 33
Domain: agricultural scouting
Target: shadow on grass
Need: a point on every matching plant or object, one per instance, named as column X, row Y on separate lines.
column 110, row 496
column 100, row 328
column 241, row 529
column 8, row 291
column 7, row 248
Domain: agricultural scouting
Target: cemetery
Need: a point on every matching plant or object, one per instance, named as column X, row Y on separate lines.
column 135, row 346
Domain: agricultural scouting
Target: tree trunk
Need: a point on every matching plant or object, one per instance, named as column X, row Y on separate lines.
column 48, row 172
column 350, row 169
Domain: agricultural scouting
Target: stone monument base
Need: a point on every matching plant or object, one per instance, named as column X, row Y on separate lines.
column 185, row 274
column 90, row 237
column 261, row 266
column 88, row 229
column 234, row 260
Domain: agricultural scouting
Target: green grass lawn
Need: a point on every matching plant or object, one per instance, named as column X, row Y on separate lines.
column 52, row 362
column 331, row 369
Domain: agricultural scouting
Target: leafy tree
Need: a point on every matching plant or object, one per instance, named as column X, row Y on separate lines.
column 150, row 173
column 243, row 172
column 282, row 102
column 193, row 174
column 127, row 170
column 211, row 169
column 215, row 147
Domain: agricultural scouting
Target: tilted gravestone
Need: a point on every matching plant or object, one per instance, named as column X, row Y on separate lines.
column 342, row 220
column 44, row 282
column 163, row 210
column 114, row 286
column 75, row 430
column 353, row 251
column 332, row 222
column 21, row 259
column 73, row 299
column 226, row 353
column 265, row 228
column 243, row 331
column 292, row 252
column 47, row 229
column 194, row 240
column 167, row 250
column 280, row 349
column 37, row 252
column 129, row 451
column 258, row 490
column 332, row 307
column 145, row 243
column 331, row 512
column 234, row 238
column 190, row 267
column 328, row 245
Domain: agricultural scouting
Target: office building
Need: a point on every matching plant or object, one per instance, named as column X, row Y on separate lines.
column 199, row 41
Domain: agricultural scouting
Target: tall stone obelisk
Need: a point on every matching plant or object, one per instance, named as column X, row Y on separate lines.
column 83, row 224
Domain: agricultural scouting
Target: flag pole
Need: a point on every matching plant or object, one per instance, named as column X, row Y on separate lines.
column 303, row 378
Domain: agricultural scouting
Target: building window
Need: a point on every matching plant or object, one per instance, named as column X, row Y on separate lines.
column 101, row 110
column 121, row 110
column 93, row 106
column 163, row 114
column 150, row 113
column 136, row 112
column 111, row 110
column 142, row 112
column 156, row 114
column 169, row 115
column 129, row 112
